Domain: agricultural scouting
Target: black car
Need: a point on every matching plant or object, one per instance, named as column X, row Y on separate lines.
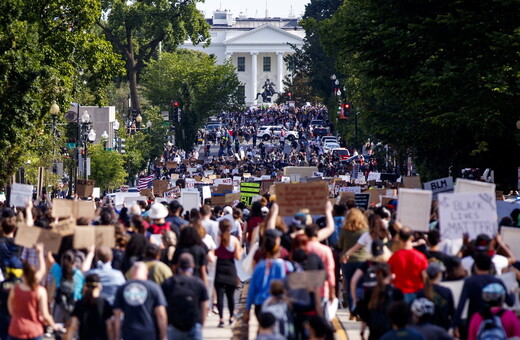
column 321, row 131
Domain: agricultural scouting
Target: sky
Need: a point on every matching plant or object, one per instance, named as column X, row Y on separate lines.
column 255, row 8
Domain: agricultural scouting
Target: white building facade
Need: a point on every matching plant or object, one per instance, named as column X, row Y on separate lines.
column 255, row 46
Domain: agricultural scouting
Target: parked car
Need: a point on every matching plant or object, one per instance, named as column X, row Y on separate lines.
column 321, row 131
column 266, row 132
column 327, row 139
column 329, row 146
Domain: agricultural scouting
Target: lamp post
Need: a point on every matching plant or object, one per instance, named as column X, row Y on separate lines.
column 104, row 139
column 149, row 126
column 55, row 109
column 88, row 135
column 116, row 126
column 138, row 120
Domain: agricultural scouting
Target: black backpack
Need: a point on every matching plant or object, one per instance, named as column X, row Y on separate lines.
column 65, row 295
column 183, row 311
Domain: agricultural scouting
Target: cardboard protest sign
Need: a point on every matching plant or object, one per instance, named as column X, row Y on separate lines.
column 230, row 198
column 466, row 185
column 295, row 196
column 29, row 236
column 412, row 182
column 76, row 209
column 19, row 194
column 295, row 178
column 101, row 235
column 346, row 196
column 414, row 208
column 307, row 279
column 472, row 213
column 511, row 237
column 303, row 171
column 375, row 195
column 84, row 187
column 159, row 186
column 439, row 185
column 171, row 165
column 64, row 227
column 248, row 190
column 147, row 193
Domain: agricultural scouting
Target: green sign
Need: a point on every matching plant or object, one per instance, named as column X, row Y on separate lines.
column 248, row 190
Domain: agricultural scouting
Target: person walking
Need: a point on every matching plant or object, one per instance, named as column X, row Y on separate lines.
column 226, row 277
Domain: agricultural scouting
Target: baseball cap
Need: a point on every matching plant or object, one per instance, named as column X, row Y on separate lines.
column 274, row 233
column 377, row 248
column 482, row 242
column 186, row 261
column 434, row 268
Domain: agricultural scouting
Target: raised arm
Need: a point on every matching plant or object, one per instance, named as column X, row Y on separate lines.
column 42, row 266
column 271, row 217
column 324, row 233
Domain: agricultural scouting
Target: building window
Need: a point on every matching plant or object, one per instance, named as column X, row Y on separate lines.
column 242, row 92
column 241, row 64
column 267, row 64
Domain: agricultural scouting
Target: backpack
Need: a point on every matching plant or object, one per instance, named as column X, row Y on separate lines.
column 65, row 295
column 181, row 304
column 284, row 324
column 492, row 328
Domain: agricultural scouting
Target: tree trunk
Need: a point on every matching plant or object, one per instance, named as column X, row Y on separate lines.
column 132, row 79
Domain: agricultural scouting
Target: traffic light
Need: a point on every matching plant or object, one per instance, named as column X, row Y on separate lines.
column 346, row 110
column 176, row 112
column 121, row 146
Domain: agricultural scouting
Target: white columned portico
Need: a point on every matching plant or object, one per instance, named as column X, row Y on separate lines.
column 279, row 63
column 254, row 70
column 228, row 55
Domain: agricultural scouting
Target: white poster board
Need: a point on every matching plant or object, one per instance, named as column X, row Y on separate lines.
column 96, row 192
column 225, row 181
column 466, row 185
column 295, row 178
column 414, row 208
column 285, row 179
column 190, row 199
column 374, row 176
column 119, row 197
column 469, row 212
column 439, row 185
column 206, row 192
column 20, row 193
column 355, row 190
column 130, row 201
column 511, row 237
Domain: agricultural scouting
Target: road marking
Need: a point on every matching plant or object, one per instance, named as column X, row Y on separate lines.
column 340, row 330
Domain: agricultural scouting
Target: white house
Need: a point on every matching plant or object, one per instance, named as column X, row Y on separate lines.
column 256, row 48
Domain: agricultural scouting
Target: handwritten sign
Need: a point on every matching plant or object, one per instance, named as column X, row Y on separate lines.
column 412, row 182
column 511, row 237
column 414, row 207
column 20, row 193
column 374, row 176
column 64, row 227
column 84, row 187
column 472, row 213
column 130, row 201
column 439, row 185
column 159, row 187
column 362, row 200
column 190, row 199
column 307, row 279
column 295, row 196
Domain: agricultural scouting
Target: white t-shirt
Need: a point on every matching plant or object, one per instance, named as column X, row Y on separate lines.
column 366, row 241
column 211, row 228
column 500, row 262
column 208, row 241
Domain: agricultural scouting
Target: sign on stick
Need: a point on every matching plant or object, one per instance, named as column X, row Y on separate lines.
column 413, row 208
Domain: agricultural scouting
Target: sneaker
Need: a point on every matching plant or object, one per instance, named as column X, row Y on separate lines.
column 221, row 324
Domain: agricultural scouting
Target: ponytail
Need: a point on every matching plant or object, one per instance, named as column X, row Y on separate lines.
column 29, row 273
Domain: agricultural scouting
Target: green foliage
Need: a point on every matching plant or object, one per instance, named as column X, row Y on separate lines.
column 201, row 87
column 107, row 167
column 44, row 47
column 437, row 78
column 136, row 28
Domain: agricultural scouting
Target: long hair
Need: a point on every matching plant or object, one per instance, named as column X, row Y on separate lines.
column 225, row 232
column 378, row 296
column 189, row 237
column 29, row 273
column 355, row 220
column 68, row 260
column 376, row 228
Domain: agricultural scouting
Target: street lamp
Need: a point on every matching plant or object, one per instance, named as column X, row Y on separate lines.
column 138, row 121
column 104, row 139
column 55, row 109
column 85, row 118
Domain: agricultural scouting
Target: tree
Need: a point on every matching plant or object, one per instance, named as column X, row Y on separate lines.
column 137, row 28
column 107, row 168
column 200, row 86
column 48, row 52
column 439, row 79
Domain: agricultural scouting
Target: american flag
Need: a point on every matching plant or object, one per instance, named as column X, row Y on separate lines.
column 145, row 182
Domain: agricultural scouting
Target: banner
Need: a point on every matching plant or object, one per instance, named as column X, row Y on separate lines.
column 472, row 213
column 295, row 196
column 414, row 208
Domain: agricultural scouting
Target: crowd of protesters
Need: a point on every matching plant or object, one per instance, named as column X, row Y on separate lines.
column 171, row 267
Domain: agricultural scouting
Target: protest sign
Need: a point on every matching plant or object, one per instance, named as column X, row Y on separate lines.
column 132, row 200
column 171, row 165
column 190, row 199
column 20, row 193
column 295, row 196
column 472, row 213
column 248, row 190
column 218, row 196
column 374, row 176
column 505, row 208
column 76, row 209
column 64, row 227
column 317, row 174
column 147, row 193
column 29, row 236
column 96, row 193
column 223, row 181
column 375, row 195
column 101, row 235
column 303, row 171
column 356, row 190
column 362, row 200
column 511, row 237
column 84, row 188
column 308, row 279
column 466, row 185
column 230, row 198
column 439, row 185
column 159, row 187
column 414, row 208
column 285, row 179
column 119, row 197
column 412, row 182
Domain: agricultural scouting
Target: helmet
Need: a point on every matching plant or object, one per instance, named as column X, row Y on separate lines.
column 493, row 292
column 422, row 306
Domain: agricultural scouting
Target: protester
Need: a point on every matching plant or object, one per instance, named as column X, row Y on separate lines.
column 267, row 323
column 278, row 305
column 399, row 315
column 190, row 242
column 423, row 311
column 110, row 279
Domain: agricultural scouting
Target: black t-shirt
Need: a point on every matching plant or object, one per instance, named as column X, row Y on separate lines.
column 138, row 300
column 199, row 257
column 444, row 305
column 439, row 255
column 92, row 318
column 196, row 284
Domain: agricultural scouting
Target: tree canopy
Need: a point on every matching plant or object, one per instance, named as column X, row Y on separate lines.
column 136, row 28
column 200, row 86
column 49, row 51
column 440, row 78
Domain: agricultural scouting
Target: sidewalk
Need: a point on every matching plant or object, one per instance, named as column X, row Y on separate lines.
column 352, row 328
